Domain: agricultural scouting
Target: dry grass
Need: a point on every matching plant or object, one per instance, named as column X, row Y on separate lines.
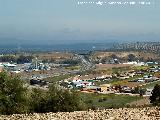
column 110, row 66
column 55, row 56
column 125, row 55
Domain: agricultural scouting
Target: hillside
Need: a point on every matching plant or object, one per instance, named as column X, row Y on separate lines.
column 152, row 113
column 144, row 56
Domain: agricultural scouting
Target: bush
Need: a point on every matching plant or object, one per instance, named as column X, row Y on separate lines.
column 131, row 57
column 64, row 100
column 55, row 100
column 24, row 59
column 8, row 58
column 13, row 96
column 102, row 99
column 38, row 100
column 155, row 98
column 70, row 62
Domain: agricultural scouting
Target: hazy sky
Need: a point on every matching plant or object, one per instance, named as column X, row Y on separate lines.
column 65, row 20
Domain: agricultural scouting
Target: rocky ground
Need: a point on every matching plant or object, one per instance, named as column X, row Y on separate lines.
column 150, row 113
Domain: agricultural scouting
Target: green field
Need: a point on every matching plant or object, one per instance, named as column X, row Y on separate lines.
column 101, row 101
column 73, row 67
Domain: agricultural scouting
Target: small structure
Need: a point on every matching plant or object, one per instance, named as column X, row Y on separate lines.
column 92, row 89
column 151, row 63
column 82, row 84
column 141, row 80
column 149, row 92
column 140, row 64
column 105, row 87
column 131, row 63
column 9, row 66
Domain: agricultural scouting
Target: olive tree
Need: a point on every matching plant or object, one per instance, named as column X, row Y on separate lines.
column 13, row 95
column 155, row 97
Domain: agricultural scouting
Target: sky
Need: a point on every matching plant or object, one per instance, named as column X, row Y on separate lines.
column 66, row 21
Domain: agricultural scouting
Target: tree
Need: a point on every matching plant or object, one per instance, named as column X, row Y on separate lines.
column 13, row 95
column 131, row 57
column 38, row 100
column 142, row 92
column 63, row 100
column 155, row 98
column 70, row 62
column 15, row 98
column 113, row 56
column 8, row 58
column 24, row 59
column 55, row 100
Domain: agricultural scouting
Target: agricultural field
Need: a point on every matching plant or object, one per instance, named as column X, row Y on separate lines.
column 102, row 101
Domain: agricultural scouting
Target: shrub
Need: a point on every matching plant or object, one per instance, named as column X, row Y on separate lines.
column 64, row 100
column 38, row 100
column 13, row 95
column 155, row 98
column 15, row 98
column 55, row 100
column 102, row 99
